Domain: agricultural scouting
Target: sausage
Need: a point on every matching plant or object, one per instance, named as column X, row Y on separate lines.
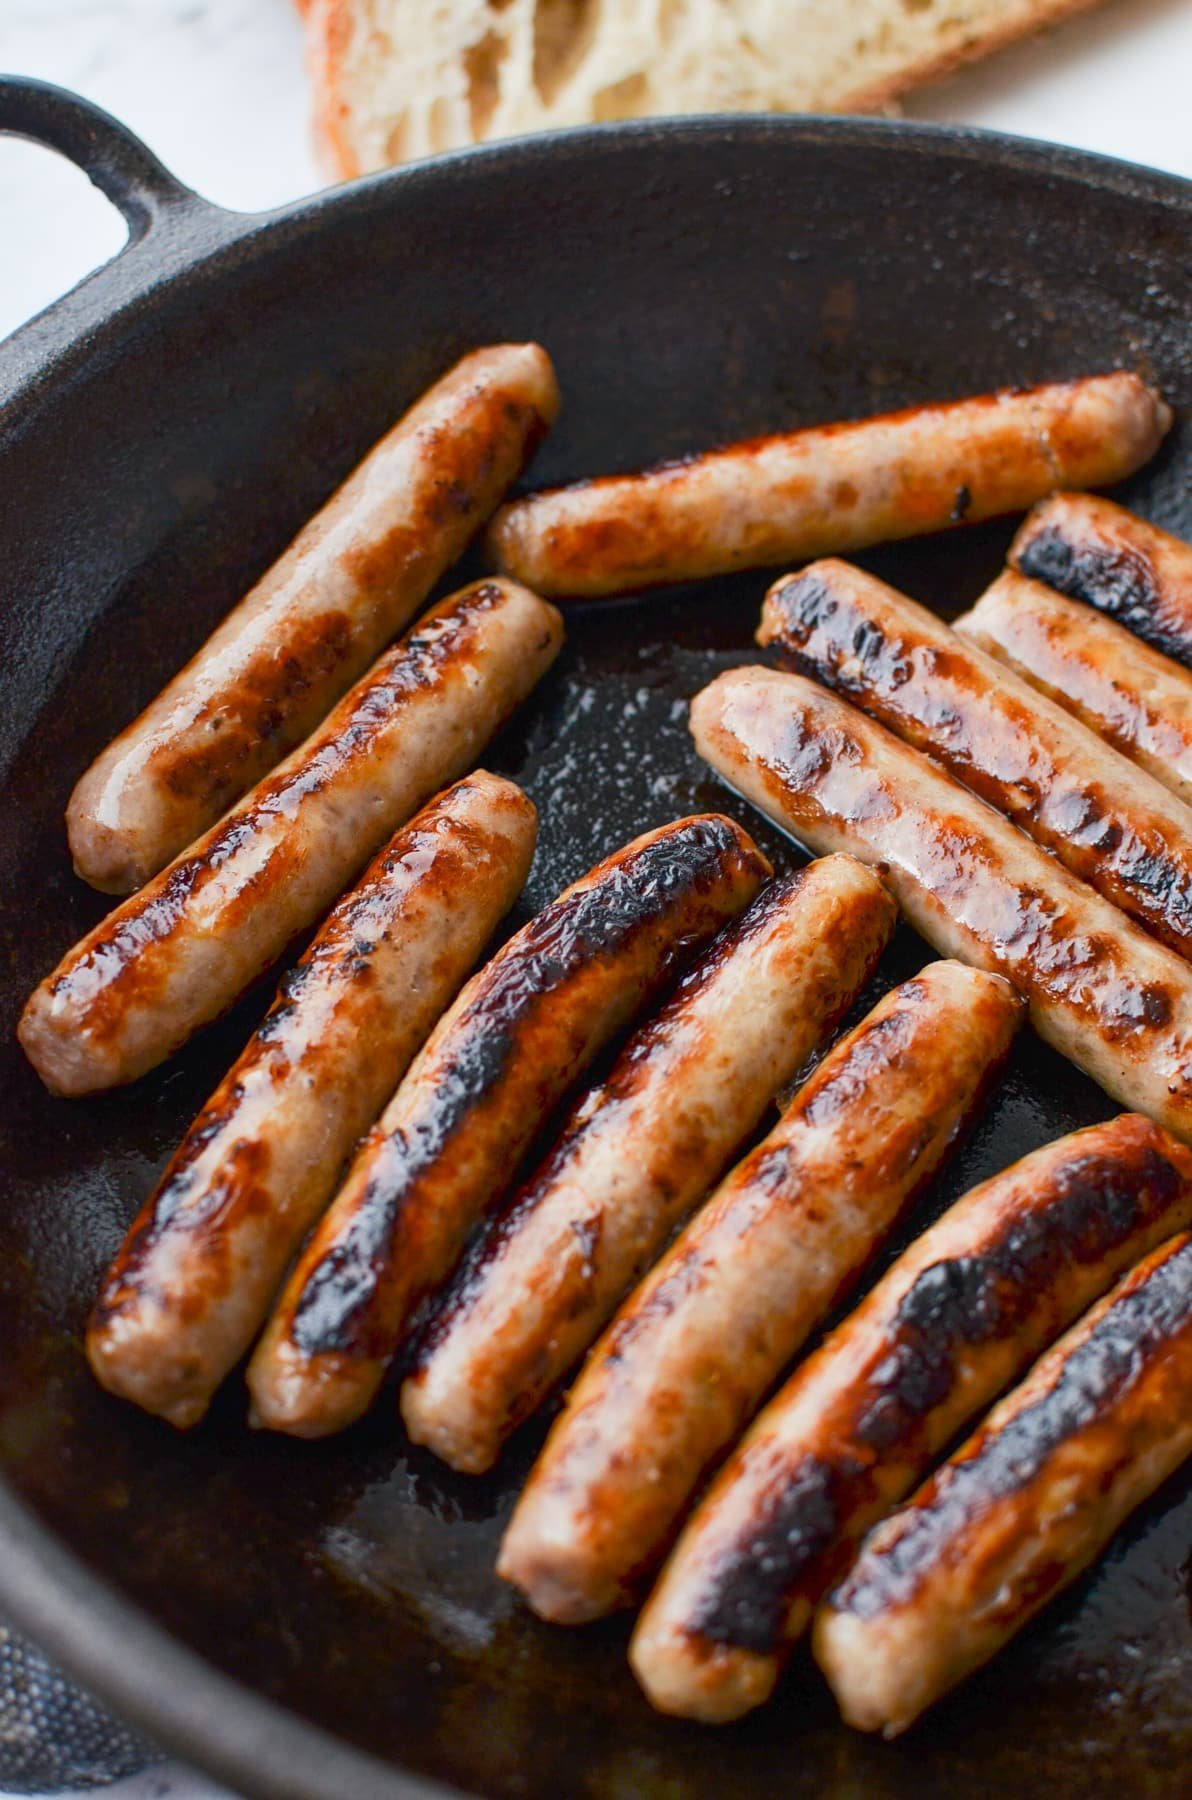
column 1023, row 1507
column 1092, row 550
column 314, row 622
column 447, row 1145
column 691, row 1353
column 637, row 1152
column 961, row 1313
column 191, row 1286
column 1135, row 698
column 177, row 954
column 1106, row 820
column 1100, row 991
column 835, row 487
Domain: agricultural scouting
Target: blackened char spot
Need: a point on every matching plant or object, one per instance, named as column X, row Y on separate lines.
column 633, row 895
column 745, row 1602
column 961, row 504
column 1118, row 580
column 1093, row 1379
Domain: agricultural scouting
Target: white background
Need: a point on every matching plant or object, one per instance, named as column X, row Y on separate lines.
column 217, row 89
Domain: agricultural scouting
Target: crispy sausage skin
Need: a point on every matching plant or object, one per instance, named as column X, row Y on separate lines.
column 787, row 1233
column 446, row 1147
column 961, row 1313
column 1093, row 550
column 1103, row 993
column 177, row 954
column 1106, row 820
column 637, row 1152
column 191, row 1286
column 352, row 578
column 833, row 488
column 1020, row 1509
column 1134, row 697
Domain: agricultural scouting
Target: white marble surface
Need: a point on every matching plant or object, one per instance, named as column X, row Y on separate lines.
column 217, row 89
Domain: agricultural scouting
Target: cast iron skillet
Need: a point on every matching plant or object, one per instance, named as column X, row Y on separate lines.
column 309, row 1620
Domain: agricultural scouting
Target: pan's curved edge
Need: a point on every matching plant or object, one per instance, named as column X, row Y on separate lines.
column 177, row 1698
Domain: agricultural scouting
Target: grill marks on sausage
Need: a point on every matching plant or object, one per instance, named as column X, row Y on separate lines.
column 117, row 968
column 939, row 697
column 597, row 923
column 799, row 1543
column 814, row 769
column 1150, row 1310
column 1115, row 578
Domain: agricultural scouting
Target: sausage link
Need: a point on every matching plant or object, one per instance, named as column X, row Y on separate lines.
column 1109, row 823
column 1135, row 698
column 191, row 1286
column 637, row 1152
column 352, row 578
column 1101, row 991
column 1093, row 550
column 961, row 1313
column 449, row 1142
column 836, row 487
column 1023, row 1507
column 178, row 954
column 785, row 1236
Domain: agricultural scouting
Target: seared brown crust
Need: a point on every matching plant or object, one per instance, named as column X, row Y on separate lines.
column 637, row 1152
column 784, row 1237
column 1021, row 1508
column 835, row 487
column 312, row 624
column 1105, row 994
column 179, row 953
column 192, row 1282
column 445, row 1148
column 1092, row 550
column 957, row 1316
column 1109, row 823
column 1135, row 698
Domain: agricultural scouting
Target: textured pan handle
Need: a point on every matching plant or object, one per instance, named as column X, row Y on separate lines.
column 168, row 225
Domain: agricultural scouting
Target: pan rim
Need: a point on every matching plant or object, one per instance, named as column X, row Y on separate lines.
column 104, row 1639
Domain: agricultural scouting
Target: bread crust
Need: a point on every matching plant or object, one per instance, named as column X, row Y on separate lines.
column 331, row 24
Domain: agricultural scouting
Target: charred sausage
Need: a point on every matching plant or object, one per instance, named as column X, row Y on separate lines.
column 177, row 954
column 961, row 1313
column 833, row 488
column 192, row 1283
column 1092, row 550
column 1023, row 1507
column 637, row 1152
column 1135, row 698
column 1101, row 991
column 352, row 578
column 1109, row 823
column 691, row 1353
column 446, row 1147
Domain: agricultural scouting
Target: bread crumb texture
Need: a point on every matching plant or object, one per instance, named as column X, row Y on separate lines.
column 396, row 79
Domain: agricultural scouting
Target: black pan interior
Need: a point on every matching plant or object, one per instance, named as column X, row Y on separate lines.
column 693, row 283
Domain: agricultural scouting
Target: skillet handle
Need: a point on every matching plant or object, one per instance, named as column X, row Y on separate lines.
column 168, row 225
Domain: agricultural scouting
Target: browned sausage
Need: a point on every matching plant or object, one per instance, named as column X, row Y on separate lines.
column 1092, row 550
column 1135, row 698
column 638, row 1151
column 785, row 1236
column 1023, row 1507
column 1106, row 995
column 1109, row 823
column 178, row 953
column 191, row 1286
column 960, row 1313
column 447, row 1145
column 352, row 578
column 835, row 487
